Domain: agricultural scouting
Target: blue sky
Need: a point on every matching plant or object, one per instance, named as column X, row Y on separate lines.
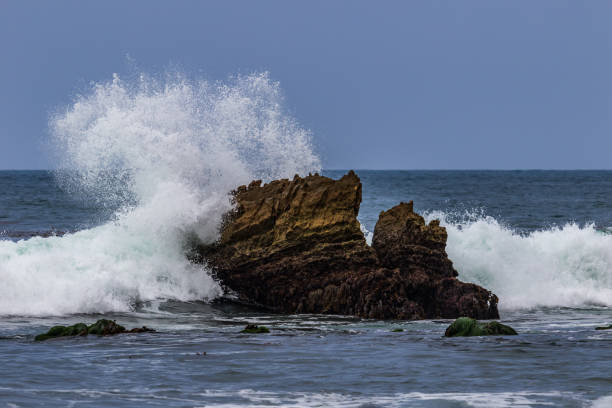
column 381, row 84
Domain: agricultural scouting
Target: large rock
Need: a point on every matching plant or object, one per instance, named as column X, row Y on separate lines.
column 297, row 247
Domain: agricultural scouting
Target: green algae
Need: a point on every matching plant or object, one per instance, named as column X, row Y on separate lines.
column 105, row 327
column 465, row 326
column 79, row 329
column 102, row 327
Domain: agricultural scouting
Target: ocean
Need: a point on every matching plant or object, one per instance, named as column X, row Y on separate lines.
column 541, row 240
column 145, row 164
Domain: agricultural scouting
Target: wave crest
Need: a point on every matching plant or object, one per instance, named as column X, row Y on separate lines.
column 568, row 266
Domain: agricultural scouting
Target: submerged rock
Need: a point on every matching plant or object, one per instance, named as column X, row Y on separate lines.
column 143, row 329
column 105, row 327
column 253, row 329
column 297, row 247
column 465, row 326
column 79, row 329
column 102, row 327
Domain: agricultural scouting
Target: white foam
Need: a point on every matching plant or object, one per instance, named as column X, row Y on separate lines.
column 566, row 266
column 163, row 153
column 603, row 402
column 253, row 398
column 366, row 233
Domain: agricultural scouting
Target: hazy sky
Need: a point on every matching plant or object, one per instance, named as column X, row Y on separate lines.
column 381, row 84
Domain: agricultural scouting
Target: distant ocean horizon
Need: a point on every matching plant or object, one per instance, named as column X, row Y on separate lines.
column 372, row 169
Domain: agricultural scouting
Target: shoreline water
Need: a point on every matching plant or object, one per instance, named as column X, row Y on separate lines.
column 322, row 360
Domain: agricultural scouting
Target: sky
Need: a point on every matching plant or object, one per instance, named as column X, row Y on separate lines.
column 380, row 84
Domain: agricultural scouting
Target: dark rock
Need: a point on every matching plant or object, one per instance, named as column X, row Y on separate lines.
column 402, row 239
column 404, row 242
column 102, row 327
column 253, row 329
column 105, row 327
column 79, row 329
column 143, row 329
column 604, row 327
column 297, row 247
column 397, row 330
column 465, row 326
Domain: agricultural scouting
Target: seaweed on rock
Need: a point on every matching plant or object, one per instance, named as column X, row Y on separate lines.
column 102, row 327
column 465, row 327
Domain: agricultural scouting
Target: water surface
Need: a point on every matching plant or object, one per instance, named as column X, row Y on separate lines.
column 541, row 240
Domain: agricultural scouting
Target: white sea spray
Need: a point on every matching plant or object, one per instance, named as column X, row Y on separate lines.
column 163, row 154
column 566, row 266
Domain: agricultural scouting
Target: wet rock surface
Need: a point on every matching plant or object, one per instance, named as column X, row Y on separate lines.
column 466, row 327
column 102, row 327
column 254, row 329
column 297, row 247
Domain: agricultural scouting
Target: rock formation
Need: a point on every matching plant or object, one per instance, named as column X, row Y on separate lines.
column 297, row 247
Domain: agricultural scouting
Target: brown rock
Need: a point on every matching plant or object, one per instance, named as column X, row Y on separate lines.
column 403, row 240
column 143, row 329
column 297, row 247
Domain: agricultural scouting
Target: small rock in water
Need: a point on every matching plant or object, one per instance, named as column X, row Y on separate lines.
column 102, row 327
column 79, row 329
column 254, row 329
column 465, row 326
column 397, row 330
column 143, row 329
column 604, row 327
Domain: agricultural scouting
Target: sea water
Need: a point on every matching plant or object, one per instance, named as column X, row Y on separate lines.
column 146, row 163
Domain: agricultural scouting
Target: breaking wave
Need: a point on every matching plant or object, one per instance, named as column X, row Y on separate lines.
column 567, row 266
column 163, row 155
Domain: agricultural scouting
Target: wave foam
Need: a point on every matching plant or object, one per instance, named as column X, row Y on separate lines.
column 254, row 398
column 568, row 266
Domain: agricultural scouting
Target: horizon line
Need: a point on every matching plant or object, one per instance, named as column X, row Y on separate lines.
column 405, row 169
